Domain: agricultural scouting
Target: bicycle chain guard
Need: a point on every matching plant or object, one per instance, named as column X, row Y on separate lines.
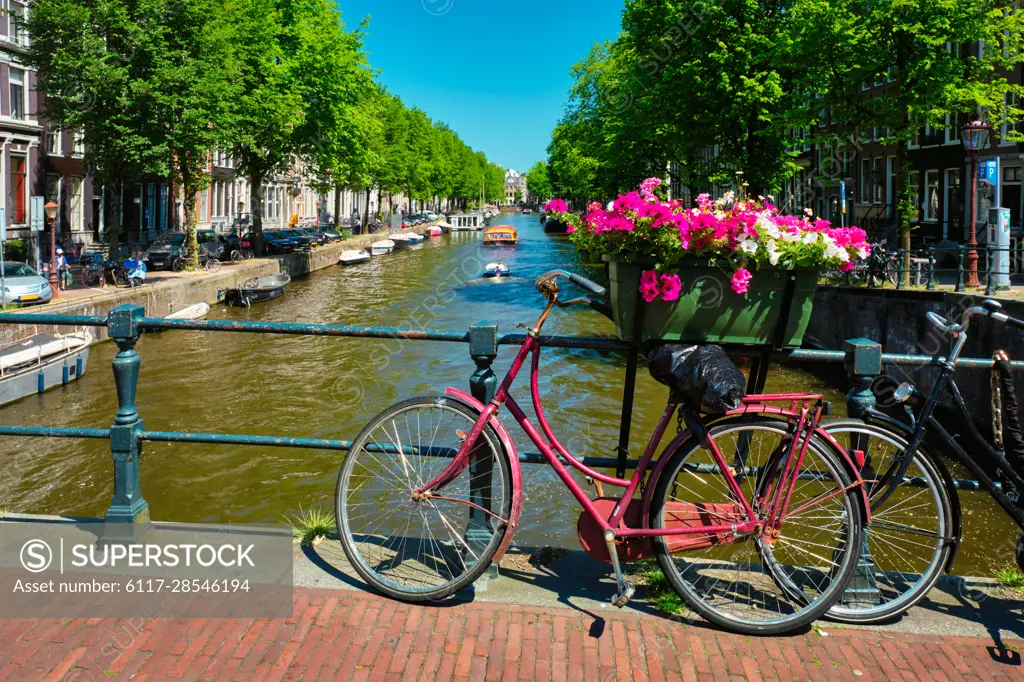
column 677, row 515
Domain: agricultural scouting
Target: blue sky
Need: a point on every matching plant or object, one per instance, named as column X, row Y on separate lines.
column 496, row 70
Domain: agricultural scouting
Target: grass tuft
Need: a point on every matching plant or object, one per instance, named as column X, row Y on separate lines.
column 312, row 525
column 658, row 590
column 1011, row 577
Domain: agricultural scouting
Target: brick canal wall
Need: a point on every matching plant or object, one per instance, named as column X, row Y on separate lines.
column 164, row 296
column 896, row 319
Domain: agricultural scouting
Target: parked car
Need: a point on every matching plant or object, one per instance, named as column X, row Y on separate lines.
column 278, row 242
column 307, row 238
column 328, row 234
column 22, row 284
column 164, row 251
column 431, row 216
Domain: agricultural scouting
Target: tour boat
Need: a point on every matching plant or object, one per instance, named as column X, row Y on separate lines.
column 501, row 235
column 498, row 269
column 40, row 363
column 527, row 211
column 353, row 257
column 198, row 311
column 434, row 230
column 382, row 247
column 257, row 289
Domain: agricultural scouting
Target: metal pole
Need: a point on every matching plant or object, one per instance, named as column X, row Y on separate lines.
column 960, row 251
column 483, row 348
column 128, row 516
column 990, row 279
column 972, row 243
column 626, row 418
column 931, row 268
column 54, row 284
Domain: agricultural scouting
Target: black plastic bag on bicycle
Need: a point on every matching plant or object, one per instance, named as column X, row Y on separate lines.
column 703, row 377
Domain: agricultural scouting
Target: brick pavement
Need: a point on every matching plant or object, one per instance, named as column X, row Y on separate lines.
column 348, row 635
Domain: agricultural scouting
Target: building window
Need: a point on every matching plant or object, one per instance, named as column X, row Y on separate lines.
column 162, row 211
column 17, row 93
column 53, row 146
column 17, row 189
column 204, row 207
column 53, row 188
column 876, row 180
column 147, row 218
column 18, row 13
column 930, row 209
column 75, row 199
column 865, row 180
column 79, row 143
column 915, row 191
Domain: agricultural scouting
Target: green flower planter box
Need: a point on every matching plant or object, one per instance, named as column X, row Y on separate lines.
column 708, row 310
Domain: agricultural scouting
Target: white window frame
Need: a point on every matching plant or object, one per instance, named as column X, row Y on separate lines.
column 864, row 192
column 926, row 216
column 76, row 213
column 78, row 143
column 24, row 92
column 54, row 140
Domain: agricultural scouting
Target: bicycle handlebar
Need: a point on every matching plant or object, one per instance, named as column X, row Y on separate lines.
column 989, row 308
column 593, row 288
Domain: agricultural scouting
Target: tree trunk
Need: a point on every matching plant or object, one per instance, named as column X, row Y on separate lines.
column 366, row 218
column 904, row 221
column 256, row 209
column 188, row 204
column 337, row 205
column 114, row 227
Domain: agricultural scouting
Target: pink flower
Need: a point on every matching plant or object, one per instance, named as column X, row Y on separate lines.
column 647, row 188
column 570, row 229
column 649, row 288
column 594, row 206
column 704, row 200
column 846, row 267
column 556, row 206
column 670, row 287
column 741, row 280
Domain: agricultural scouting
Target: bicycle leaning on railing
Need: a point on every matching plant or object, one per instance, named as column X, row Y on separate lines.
column 915, row 527
column 756, row 516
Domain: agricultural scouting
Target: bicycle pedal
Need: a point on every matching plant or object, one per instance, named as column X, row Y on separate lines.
column 623, row 596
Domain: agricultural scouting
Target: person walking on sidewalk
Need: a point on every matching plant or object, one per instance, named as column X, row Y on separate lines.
column 63, row 270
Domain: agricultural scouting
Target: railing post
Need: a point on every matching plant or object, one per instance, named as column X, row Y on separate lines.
column 990, row 279
column 961, row 252
column 127, row 506
column 931, row 268
column 483, row 348
column 901, row 255
column 864, row 363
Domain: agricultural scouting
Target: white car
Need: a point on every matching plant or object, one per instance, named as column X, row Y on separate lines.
column 22, row 284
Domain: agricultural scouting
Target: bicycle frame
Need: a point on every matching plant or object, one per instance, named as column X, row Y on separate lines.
column 553, row 451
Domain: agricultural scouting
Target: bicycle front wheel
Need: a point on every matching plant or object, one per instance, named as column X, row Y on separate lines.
column 422, row 549
column 909, row 538
column 757, row 584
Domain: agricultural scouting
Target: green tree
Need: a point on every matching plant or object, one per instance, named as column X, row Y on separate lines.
column 913, row 50
column 538, row 182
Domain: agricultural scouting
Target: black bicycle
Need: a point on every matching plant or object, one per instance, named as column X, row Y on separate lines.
column 916, row 528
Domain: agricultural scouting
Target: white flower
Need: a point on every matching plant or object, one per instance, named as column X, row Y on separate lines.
column 791, row 236
column 861, row 252
column 810, row 237
column 773, row 253
column 808, row 212
column 827, row 239
column 764, row 224
column 611, row 206
column 833, row 251
column 748, row 246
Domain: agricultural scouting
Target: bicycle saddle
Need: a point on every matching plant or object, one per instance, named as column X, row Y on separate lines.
column 702, row 377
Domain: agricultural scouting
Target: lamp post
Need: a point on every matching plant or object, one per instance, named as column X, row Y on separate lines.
column 51, row 217
column 975, row 137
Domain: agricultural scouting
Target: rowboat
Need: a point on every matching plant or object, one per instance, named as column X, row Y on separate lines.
column 257, row 289
column 401, row 240
column 501, row 235
column 382, row 247
column 415, row 237
column 194, row 312
column 40, row 363
column 353, row 257
column 434, row 230
column 498, row 269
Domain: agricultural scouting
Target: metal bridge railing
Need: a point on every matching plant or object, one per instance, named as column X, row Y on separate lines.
column 862, row 359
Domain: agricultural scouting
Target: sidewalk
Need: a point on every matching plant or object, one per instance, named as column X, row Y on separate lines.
column 352, row 635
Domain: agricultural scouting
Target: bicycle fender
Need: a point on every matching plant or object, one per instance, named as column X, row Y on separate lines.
column 947, row 478
column 513, row 465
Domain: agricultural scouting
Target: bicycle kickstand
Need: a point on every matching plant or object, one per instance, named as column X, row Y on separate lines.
column 625, row 588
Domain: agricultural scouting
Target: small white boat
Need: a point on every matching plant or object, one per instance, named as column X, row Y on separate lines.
column 401, row 240
column 498, row 269
column 198, row 311
column 434, row 230
column 382, row 247
column 40, row 363
column 527, row 211
column 353, row 257
column 415, row 237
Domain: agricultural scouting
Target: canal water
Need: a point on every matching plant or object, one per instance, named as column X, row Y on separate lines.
column 330, row 387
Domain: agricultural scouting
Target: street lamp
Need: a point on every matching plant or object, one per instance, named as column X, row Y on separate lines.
column 975, row 137
column 51, row 217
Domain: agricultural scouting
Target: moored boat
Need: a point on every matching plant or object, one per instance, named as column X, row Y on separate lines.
column 498, row 269
column 527, row 211
column 401, row 240
column 434, row 231
column 353, row 257
column 257, row 289
column 193, row 312
column 382, row 247
column 40, row 363
column 501, row 235
column 414, row 237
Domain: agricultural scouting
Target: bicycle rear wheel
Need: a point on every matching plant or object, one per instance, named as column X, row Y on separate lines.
column 428, row 549
column 909, row 538
column 757, row 584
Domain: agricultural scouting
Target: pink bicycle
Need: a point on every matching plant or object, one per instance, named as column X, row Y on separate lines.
column 756, row 516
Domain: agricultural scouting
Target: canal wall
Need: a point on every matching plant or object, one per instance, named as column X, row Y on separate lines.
column 896, row 319
column 162, row 297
